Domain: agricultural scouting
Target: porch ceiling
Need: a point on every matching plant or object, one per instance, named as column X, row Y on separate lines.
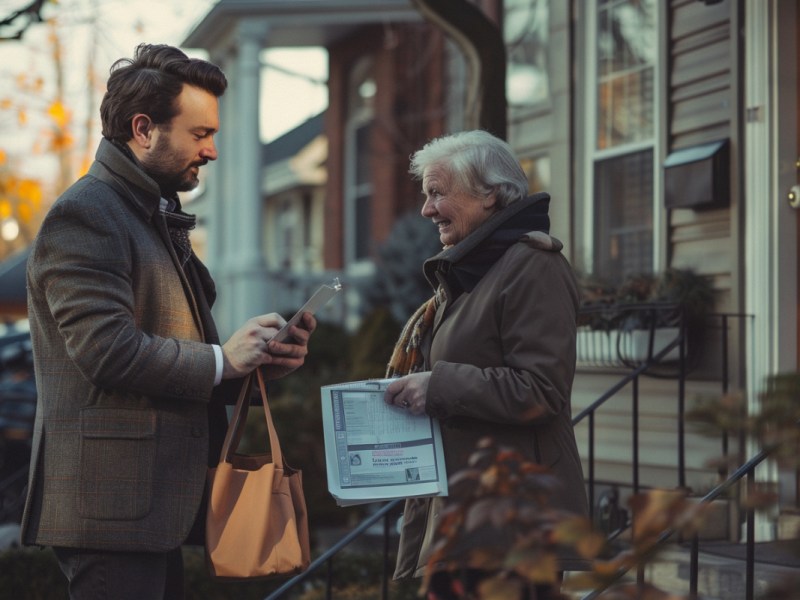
column 296, row 22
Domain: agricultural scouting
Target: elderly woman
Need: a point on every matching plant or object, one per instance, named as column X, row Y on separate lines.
column 492, row 354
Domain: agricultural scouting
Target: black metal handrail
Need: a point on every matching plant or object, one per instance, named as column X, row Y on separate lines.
column 648, row 315
column 633, row 379
column 679, row 372
column 327, row 556
column 746, row 469
column 630, row 378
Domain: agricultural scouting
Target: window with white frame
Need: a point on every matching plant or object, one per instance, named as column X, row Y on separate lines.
column 287, row 225
column 358, row 176
column 623, row 63
column 526, row 29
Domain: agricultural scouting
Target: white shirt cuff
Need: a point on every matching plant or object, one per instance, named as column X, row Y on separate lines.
column 218, row 357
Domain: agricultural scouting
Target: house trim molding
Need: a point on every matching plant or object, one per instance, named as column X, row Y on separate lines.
column 770, row 125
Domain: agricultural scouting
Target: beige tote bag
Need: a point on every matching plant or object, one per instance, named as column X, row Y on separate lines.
column 256, row 525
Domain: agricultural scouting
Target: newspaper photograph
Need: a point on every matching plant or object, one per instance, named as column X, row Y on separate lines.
column 376, row 452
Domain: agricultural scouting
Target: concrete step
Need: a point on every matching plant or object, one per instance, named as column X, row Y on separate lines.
column 722, row 569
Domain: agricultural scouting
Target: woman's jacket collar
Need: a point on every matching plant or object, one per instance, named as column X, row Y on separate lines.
column 448, row 257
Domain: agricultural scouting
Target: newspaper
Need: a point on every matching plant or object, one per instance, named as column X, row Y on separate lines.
column 376, row 452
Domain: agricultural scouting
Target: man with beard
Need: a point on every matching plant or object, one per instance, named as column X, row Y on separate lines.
column 129, row 369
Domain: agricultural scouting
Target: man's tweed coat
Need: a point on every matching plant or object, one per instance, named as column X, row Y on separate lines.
column 124, row 369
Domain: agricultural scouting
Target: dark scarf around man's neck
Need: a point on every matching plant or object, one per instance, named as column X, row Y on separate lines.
column 179, row 222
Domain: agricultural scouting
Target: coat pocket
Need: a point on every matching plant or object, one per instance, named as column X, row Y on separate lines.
column 117, row 462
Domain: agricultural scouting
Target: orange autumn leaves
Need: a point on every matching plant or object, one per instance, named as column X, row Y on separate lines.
column 59, row 136
column 20, row 199
column 502, row 521
column 21, row 195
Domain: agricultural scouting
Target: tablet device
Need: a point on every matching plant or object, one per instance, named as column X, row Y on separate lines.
column 320, row 298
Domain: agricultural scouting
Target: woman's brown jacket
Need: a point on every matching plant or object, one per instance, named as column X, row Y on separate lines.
column 498, row 354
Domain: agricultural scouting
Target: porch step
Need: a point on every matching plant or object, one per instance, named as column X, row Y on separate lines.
column 722, row 569
column 789, row 525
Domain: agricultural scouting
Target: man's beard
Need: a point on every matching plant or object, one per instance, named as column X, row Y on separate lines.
column 167, row 171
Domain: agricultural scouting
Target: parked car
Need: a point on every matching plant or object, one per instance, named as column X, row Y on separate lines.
column 17, row 411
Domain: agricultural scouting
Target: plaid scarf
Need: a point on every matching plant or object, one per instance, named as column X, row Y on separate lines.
column 179, row 224
column 406, row 357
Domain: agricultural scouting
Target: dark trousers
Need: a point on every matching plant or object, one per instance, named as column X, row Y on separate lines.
column 104, row 575
column 463, row 585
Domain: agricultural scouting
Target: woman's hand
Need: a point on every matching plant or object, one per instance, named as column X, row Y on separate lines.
column 409, row 392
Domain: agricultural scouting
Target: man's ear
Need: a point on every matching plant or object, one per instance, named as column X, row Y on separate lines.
column 142, row 129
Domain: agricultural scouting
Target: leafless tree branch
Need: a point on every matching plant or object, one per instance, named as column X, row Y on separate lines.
column 22, row 19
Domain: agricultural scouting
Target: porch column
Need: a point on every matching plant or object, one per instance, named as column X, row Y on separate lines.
column 766, row 213
column 221, row 205
column 246, row 267
column 215, row 192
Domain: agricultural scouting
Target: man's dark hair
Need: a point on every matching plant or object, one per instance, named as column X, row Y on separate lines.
column 150, row 83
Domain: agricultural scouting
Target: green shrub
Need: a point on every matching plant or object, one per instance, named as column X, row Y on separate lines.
column 31, row 574
column 358, row 576
column 371, row 347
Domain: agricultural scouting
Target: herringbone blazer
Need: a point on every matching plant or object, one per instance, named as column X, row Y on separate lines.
column 124, row 370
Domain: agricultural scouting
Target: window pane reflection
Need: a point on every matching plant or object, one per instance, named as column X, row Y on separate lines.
column 358, row 176
column 538, row 172
column 624, row 215
column 626, row 54
column 526, row 31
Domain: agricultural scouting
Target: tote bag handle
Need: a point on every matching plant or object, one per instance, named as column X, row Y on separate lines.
column 236, row 427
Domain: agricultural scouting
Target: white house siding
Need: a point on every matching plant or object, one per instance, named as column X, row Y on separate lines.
column 702, row 107
column 703, row 85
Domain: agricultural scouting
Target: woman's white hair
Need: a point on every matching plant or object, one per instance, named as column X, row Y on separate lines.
column 479, row 163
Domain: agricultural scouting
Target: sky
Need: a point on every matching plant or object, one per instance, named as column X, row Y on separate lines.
column 94, row 33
